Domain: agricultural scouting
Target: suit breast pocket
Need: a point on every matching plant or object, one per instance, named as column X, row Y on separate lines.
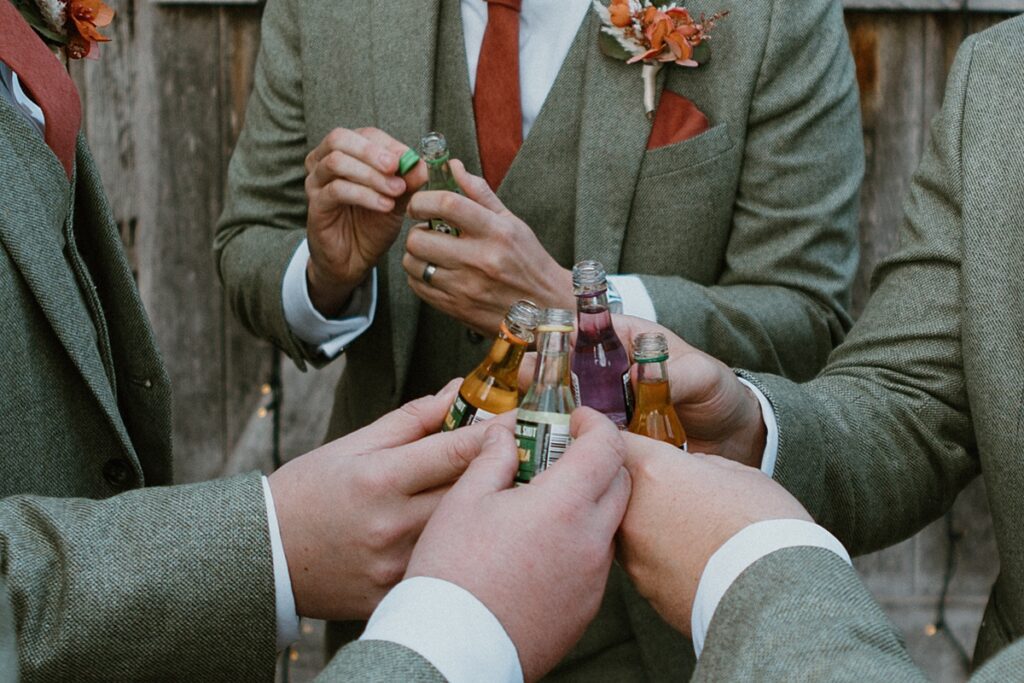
column 685, row 155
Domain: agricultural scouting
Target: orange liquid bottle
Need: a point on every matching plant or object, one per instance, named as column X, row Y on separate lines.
column 493, row 387
column 654, row 416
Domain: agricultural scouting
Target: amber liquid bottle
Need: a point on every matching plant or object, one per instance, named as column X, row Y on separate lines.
column 493, row 387
column 434, row 151
column 542, row 423
column 654, row 416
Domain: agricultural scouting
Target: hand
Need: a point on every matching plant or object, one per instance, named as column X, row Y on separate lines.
column 499, row 543
column 496, row 261
column 684, row 508
column 351, row 511
column 719, row 414
column 356, row 206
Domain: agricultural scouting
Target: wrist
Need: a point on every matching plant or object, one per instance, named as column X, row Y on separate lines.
column 328, row 294
column 753, row 434
column 560, row 292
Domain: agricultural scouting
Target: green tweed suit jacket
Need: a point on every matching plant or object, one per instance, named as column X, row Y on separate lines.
column 928, row 390
column 744, row 236
column 799, row 614
column 144, row 585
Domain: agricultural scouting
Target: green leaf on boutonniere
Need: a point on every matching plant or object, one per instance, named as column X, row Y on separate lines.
column 611, row 47
column 31, row 16
column 702, row 53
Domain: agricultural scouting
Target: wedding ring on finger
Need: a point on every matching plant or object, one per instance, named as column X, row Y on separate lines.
column 428, row 273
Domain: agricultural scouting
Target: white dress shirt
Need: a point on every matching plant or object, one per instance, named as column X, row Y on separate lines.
column 287, row 619
column 461, row 638
column 546, row 32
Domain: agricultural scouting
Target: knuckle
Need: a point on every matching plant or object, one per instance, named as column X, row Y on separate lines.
column 386, row 572
column 447, row 202
column 336, row 137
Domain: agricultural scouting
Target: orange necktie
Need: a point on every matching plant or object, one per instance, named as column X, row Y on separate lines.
column 46, row 81
column 496, row 102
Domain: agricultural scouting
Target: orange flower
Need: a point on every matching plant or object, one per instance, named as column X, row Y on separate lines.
column 658, row 30
column 619, row 12
column 88, row 17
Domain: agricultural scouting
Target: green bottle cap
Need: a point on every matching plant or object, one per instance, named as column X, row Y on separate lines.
column 408, row 161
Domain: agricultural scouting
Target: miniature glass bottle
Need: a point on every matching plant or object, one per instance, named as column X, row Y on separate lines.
column 434, row 151
column 655, row 416
column 542, row 423
column 600, row 364
column 493, row 387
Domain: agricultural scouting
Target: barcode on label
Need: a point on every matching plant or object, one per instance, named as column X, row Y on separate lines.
column 557, row 443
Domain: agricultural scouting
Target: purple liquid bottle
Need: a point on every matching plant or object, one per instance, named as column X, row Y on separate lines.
column 600, row 365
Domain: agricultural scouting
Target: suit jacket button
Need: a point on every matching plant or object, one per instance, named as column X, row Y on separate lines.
column 474, row 337
column 117, row 472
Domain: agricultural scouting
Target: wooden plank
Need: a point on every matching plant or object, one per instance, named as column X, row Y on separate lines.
column 181, row 183
column 936, row 5
column 246, row 360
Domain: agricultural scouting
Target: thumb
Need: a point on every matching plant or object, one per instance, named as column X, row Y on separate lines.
column 494, row 469
column 475, row 187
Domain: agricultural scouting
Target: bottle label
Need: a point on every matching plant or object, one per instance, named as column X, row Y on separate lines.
column 462, row 413
column 541, row 439
column 627, row 393
column 438, row 225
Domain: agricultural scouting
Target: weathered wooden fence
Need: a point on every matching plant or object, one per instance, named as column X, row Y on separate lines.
column 165, row 104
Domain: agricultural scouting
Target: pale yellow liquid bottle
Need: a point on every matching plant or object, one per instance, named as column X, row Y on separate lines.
column 654, row 416
column 493, row 387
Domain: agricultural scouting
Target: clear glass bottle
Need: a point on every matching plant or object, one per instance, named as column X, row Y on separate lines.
column 655, row 416
column 542, row 423
column 600, row 364
column 493, row 387
column 434, row 151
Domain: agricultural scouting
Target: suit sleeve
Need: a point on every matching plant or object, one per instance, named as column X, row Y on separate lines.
column 780, row 304
column 378, row 661
column 801, row 614
column 264, row 218
column 156, row 584
column 8, row 645
column 881, row 443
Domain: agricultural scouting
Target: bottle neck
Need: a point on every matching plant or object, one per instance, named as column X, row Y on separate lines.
column 652, row 372
column 550, row 390
column 439, row 176
column 593, row 313
column 505, row 356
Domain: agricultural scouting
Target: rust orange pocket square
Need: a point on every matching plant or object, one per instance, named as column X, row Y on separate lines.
column 675, row 120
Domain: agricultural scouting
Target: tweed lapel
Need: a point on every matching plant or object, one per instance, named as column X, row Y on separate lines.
column 405, row 42
column 41, row 198
column 613, row 139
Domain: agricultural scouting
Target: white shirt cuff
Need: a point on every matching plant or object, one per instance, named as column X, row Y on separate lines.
column 636, row 301
column 744, row 549
column 771, row 443
column 329, row 336
column 450, row 628
column 284, row 599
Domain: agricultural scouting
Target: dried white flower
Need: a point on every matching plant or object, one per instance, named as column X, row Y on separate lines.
column 54, row 13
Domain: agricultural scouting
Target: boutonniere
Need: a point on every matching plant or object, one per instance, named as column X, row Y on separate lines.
column 655, row 32
column 71, row 26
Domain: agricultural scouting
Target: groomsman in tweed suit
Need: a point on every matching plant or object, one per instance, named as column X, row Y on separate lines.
column 926, row 393
column 730, row 216
column 111, row 572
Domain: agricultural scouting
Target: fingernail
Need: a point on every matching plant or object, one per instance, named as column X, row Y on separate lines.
column 384, row 203
column 396, row 184
column 387, row 160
